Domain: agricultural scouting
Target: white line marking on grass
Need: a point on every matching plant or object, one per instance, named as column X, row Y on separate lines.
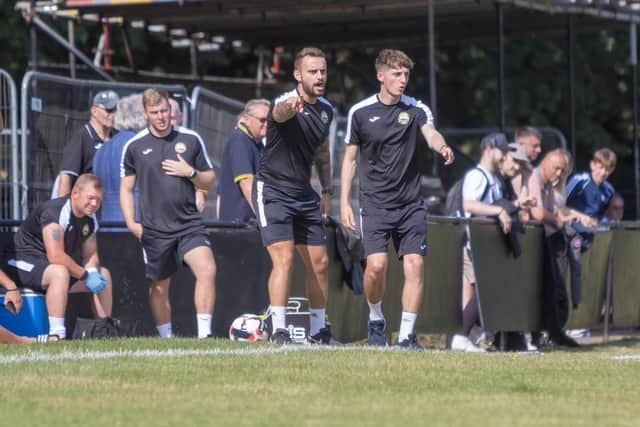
column 627, row 357
column 41, row 356
column 92, row 355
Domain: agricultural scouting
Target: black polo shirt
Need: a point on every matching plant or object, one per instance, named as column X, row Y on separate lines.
column 167, row 203
column 78, row 153
column 291, row 146
column 387, row 168
column 29, row 242
column 240, row 160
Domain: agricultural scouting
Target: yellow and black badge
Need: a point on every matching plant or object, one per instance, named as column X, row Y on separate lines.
column 85, row 230
column 403, row 118
column 324, row 117
column 180, row 147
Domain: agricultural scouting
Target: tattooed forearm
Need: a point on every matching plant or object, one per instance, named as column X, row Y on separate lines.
column 56, row 234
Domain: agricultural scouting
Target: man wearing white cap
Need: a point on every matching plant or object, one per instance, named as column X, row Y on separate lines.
column 78, row 153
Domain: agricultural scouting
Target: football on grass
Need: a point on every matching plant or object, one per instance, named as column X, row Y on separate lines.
column 248, row 327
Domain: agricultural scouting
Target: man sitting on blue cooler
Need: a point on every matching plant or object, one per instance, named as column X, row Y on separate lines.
column 56, row 251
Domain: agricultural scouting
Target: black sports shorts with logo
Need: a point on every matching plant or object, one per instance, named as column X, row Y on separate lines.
column 406, row 225
column 160, row 250
column 282, row 217
column 28, row 271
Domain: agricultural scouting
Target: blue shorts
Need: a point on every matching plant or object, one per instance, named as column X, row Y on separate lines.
column 282, row 217
column 406, row 225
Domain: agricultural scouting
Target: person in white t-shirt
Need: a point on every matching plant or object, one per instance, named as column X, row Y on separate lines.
column 480, row 189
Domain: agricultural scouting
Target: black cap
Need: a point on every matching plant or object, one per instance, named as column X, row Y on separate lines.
column 496, row 140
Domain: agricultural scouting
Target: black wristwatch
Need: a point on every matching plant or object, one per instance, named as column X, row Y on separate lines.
column 327, row 191
column 194, row 172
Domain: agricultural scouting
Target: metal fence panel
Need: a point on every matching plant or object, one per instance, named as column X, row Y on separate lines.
column 594, row 275
column 52, row 108
column 9, row 153
column 508, row 288
column 626, row 271
column 213, row 116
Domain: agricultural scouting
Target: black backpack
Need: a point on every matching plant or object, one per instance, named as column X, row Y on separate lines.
column 453, row 202
column 96, row 328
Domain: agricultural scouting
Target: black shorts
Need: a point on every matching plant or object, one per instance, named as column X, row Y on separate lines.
column 159, row 250
column 282, row 217
column 27, row 271
column 407, row 226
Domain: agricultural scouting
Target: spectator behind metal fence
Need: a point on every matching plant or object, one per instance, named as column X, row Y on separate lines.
column 520, row 182
column 588, row 193
column 176, row 113
column 240, row 160
column 530, row 139
column 615, row 211
column 86, row 140
column 555, row 309
column 129, row 119
column 517, row 203
column 481, row 188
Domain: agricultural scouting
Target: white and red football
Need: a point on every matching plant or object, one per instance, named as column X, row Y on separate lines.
column 248, row 327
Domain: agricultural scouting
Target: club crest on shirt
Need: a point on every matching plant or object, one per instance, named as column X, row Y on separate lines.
column 403, row 118
column 324, row 117
column 180, row 147
column 85, row 230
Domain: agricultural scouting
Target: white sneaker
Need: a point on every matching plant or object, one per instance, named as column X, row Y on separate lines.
column 462, row 343
column 531, row 347
column 578, row 333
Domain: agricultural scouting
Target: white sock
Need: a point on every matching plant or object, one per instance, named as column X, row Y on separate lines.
column 375, row 311
column 317, row 320
column 204, row 324
column 56, row 327
column 165, row 330
column 407, row 324
column 278, row 319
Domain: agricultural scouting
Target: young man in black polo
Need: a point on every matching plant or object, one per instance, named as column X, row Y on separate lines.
column 384, row 128
column 289, row 212
column 169, row 163
column 56, row 250
column 79, row 152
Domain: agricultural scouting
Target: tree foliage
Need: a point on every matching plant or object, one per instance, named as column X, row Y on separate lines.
column 536, row 82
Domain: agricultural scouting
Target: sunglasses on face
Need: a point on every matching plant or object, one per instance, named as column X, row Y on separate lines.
column 108, row 110
column 260, row 119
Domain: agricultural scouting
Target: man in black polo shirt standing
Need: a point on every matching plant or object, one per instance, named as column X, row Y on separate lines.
column 56, row 250
column 79, row 152
column 169, row 163
column 289, row 212
column 383, row 129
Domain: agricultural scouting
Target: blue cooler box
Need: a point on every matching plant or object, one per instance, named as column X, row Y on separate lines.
column 32, row 319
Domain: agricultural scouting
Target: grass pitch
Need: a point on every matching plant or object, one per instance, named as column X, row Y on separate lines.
column 186, row 382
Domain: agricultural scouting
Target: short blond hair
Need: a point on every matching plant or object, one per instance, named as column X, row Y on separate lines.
column 393, row 58
column 307, row 51
column 88, row 180
column 606, row 158
column 153, row 96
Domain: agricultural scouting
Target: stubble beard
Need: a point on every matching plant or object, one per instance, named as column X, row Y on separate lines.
column 311, row 90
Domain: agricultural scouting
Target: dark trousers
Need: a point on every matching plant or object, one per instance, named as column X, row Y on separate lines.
column 574, row 250
column 555, row 302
